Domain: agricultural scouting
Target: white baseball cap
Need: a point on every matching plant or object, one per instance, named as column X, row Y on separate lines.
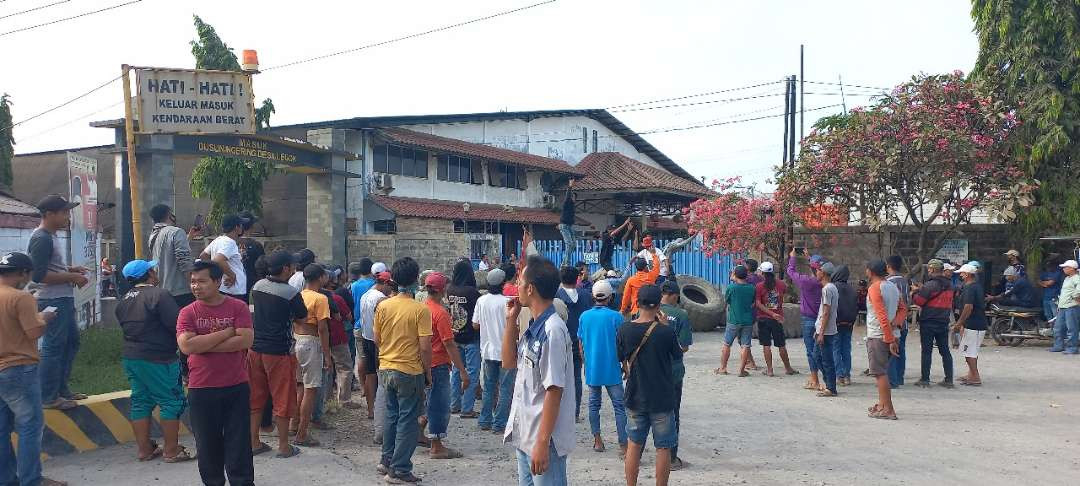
column 602, row 290
column 1013, row 253
column 612, row 274
column 968, row 268
column 1070, row 264
column 1010, row 272
column 948, row 267
column 378, row 267
column 766, row 267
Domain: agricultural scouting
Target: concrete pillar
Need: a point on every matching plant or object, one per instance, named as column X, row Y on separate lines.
column 155, row 181
column 326, row 201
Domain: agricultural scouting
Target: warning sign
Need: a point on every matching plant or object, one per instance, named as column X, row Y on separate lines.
column 194, row 101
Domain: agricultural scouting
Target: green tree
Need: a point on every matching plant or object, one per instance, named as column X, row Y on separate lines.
column 7, row 143
column 1029, row 55
column 231, row 185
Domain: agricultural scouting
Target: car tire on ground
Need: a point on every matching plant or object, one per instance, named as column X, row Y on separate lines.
column 702, row 302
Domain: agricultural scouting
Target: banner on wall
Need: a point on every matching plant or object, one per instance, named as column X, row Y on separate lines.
column 84, row 235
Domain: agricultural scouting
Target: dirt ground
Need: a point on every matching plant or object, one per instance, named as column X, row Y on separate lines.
column 1022, row 425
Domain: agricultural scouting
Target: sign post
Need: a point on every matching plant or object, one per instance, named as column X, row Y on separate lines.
column 83, row 236
column 133, row 171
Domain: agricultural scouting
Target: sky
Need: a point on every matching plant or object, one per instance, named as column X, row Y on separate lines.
column 568, row 54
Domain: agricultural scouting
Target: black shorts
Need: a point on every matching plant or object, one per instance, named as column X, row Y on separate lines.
column 770, row 333
column 371, row 357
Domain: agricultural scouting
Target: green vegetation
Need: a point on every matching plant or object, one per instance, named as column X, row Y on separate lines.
column 7, row 142
column 97, row 367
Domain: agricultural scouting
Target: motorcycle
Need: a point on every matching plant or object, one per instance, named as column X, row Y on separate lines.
column 1011, row 326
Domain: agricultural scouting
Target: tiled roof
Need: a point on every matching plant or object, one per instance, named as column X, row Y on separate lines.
column 451, row 145
column 612, row 171
column 10, row 205
column 440, row 209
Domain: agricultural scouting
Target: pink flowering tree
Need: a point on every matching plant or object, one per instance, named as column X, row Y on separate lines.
column 736, row 223
column 923, row 161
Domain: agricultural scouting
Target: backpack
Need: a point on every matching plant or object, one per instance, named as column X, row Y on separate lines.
column 847, row 305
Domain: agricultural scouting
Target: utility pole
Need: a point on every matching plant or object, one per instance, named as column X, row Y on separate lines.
column 843, row 101
column 787, row 113
column 802, row 96
column 791, row 140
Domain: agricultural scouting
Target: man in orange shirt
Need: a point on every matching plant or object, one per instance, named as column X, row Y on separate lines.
column 444, row 352
column 643, row 277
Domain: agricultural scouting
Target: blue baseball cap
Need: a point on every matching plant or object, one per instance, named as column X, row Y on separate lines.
column 138, row 268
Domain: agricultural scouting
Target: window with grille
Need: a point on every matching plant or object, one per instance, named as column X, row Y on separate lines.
column 398, row 160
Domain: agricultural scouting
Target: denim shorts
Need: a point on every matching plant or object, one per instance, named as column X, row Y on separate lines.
column 744, row 333
column 662, row 424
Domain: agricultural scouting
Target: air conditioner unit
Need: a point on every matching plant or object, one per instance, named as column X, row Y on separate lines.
column 549, row 201
column 384, row 182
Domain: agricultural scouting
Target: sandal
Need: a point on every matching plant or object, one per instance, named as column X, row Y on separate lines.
column 448, row 453
column 826, row 394
column 874, row 409
column 181, row 456
column 767, row 373
column 971, row 383
column 263, row 448
column 881, row 415
column 293, row 451
column 157, row 452
column 719, row 371
column 792, row 372
column 309, row 442
column 744, row 374
column 811, row 386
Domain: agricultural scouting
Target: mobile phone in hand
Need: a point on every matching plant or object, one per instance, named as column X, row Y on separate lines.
column 49, row 309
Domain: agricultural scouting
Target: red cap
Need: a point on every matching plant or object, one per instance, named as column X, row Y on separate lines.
column 647, row 241
column 435, row 282
column 384, row 277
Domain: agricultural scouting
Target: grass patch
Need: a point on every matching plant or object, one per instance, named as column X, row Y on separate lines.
column 97, row 367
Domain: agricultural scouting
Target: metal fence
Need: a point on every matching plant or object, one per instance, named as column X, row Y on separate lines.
column 689, row 260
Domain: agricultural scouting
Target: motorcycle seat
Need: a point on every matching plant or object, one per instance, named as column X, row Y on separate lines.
column 1018, row 310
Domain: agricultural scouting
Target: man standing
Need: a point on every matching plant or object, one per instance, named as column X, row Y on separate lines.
column 365, row 334
column 576, row 303
column 215, row 332
column 20, row 389
column 644, row 276
column 972, row 323
column 170, row 248
column 566, row 224
column 272, row 368
column 541, row 426
column 882, row 301
column 596, row 332
column 312, row 349
column 56, row 288
column 489, row 318
column 340, row 339
column 1068, row 323
column 847, row 312
column 740, row 321
column 444, row 352
column 250, row 252
column 1050, row 280
column 403, row 337
column 147, row 315
column 679, row 321
column 809, row 303
column 607, row 243
column 647, row 350
column 769, row 301
column 225, row 253
column 935, row 299
column 462, row 295
column 825, row 330
column 647, row 255
column 303, row 258
column 898, row 363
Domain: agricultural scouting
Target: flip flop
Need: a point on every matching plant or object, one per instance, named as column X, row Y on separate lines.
column 873, row 409
column 77, row 396
column 971, row 383
column 263, row 448
column 743, row 374
column 826, row 394
column 598, row 447
column 447, row 454
column 719, row 372
column 881, row 415
column 158, row 451
column 309, row 442
column 792, row 372
column 810, row 387
column 766, row 373
column 182, row 456
column 293, row 451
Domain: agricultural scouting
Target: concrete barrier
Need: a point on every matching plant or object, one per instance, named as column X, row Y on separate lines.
column 98, row 421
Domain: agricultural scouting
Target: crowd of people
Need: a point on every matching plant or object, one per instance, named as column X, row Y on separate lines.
column 254, row 344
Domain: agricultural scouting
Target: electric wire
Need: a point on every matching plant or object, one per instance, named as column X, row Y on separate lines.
column 73, row 17
column 34, row 9
column 61, row 105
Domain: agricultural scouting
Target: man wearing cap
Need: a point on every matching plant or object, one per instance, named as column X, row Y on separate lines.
column 972, row 323
column 1018, row 291
column 489, row 318
column 679, row 321
column 225, row 252
column 935, row 300
column 809, row 303
column 644, row 276
column 1068, row 321
column 825, row 329
column 169, row 246
column 20, row 389
column 648, row 349
column 271, row 366
column 56, row 288
column 739, row 296
column 147, row 315
column 647, row 255
column 769, row 298
column 882, row 304
column 576, row 302
column 444, row 352
column 596, row 331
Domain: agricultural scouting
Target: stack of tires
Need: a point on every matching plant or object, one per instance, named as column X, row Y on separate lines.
column 702, row 302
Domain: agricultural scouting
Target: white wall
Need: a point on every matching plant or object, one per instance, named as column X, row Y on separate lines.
column 14, row 239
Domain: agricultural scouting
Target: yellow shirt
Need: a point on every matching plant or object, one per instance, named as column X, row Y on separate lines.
column 399, row 323
column 318, row 307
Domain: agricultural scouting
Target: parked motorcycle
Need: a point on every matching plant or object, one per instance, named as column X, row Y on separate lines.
column 1010, row 326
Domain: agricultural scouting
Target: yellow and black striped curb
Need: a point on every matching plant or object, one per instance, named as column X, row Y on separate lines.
column 98, row 421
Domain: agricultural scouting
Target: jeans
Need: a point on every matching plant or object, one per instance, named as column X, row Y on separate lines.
column 842, row 351
column 320, row 396
column 575, row 349
column 824, row 356
column 808, row 341
column 596, row 397
column 1050, row 308
column 662, row 424
column 929, row 334
column 221, row 423
column 58, row 348
column 496, row 378
column 438, row 401
column 404, row 400
column 554, row 476
column 20, row 412
column 569, row 243
column 1066, row 329
column 678, row 406
column 465, row 401
column 898, row 363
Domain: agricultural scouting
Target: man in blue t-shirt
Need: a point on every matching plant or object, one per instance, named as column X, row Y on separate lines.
column 596, row 332
column 1050, row 280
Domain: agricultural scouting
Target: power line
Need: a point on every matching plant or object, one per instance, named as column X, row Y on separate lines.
column 706, row 125
column 65, row 19
column 698, row 95
column 69, row 122
column 876, row 88
column 695, row 103
column 412, row 36
column 61, row 105
column 33, row 9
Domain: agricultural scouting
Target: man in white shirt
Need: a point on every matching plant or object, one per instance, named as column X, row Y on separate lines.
column 365, row 336
column 647, row 253
column 303, row 258
column 490, row 318
column 225, row 252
